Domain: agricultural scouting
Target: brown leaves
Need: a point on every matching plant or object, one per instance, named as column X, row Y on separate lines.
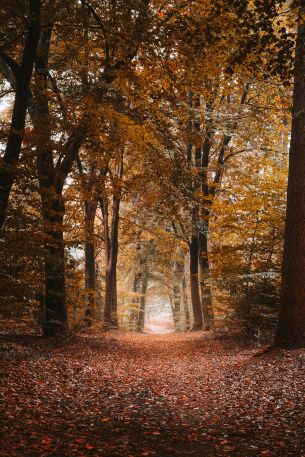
column 145, row 395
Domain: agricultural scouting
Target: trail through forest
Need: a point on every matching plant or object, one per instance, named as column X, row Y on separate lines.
column 119, row 394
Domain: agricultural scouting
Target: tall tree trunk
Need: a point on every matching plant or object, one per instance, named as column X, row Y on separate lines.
column 23, row 75
column 52, row 204
column 90, row 267
column 141, row 313
column 99, row 298
column 194, row 245
column 111, row 292
column 291, row 324
column 55, row 313
column 51, row 183
column 135, row 301
column 185, row 302
column 110, row 313
column 194, row 280
column 177, row 301
column 205, row 288
column 176, row 307
column 203, row 233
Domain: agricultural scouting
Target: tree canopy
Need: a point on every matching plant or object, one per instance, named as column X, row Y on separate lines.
column 144, row 155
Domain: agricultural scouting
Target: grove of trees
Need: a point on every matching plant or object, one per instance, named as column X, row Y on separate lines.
column 144, row 152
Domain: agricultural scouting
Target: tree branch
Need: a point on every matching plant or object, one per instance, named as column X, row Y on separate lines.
column 13, row 66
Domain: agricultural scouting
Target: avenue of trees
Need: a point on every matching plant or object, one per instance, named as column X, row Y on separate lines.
column 144, row 151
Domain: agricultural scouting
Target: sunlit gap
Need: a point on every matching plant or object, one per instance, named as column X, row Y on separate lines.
column 158, row 317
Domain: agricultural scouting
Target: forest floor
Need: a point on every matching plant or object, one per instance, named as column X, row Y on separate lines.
column 117, row 394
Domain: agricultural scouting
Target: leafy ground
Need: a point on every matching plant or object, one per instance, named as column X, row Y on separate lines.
column 121, row 395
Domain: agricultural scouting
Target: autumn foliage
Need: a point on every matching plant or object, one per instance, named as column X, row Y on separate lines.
column 152, row 180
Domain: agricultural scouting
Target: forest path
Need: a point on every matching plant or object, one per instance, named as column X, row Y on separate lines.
column 119, row 394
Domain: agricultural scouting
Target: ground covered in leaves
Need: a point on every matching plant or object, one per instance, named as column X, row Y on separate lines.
column 118, row 394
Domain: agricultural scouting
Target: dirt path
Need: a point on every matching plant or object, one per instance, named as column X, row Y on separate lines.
column 149, row 395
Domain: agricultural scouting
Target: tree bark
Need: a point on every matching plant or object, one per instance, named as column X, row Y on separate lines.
column 185, row 302
column 23, row 75
column 205, row 288
column 111, row 292
column 194, row 280
column 52, row 204
column 110, row 310
column 141, row 313
column 99, row 304
column 177, row 301
column 51, row 182
column 193, row 244
column 177, row 308
column 55, row 312
column 203, row 233
column 90, row 206
column 90, row 267
column 291, row 324
column 134, row 311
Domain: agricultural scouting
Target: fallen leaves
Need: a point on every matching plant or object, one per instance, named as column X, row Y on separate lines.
column 139, row 395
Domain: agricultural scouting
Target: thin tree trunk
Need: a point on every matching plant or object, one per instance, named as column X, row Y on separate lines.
column 99, row 298
column 90, row 267
column 291, row 324
column 176, row 307
column 141, row 313
column 90, row 206
column 194, row 280
column 205, row 288
column 110, row 314
column 23, row 75
column 134, row 311
column 177, row 302
column 193, row 246
column 110, row 295
column 185, row 302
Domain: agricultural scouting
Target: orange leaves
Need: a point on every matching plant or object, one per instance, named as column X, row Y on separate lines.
column 157, row 393
column 46, row 441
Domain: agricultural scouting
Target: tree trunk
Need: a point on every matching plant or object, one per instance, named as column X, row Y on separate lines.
column 176, row 307
column 205, row 288
column 90, row 268
column 177, row 301
column 52, row 204
column 194, row 247
column 185, row 303
column 291, row 324
column 99, row 298
column 110, row 312
column 141, row 314
column 194, row 280
column 134, row 311
column 23, row 75
column 55, row 314
column 110, row 315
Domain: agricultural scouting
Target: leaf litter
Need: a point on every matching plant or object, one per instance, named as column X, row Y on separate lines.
column 122, row 394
